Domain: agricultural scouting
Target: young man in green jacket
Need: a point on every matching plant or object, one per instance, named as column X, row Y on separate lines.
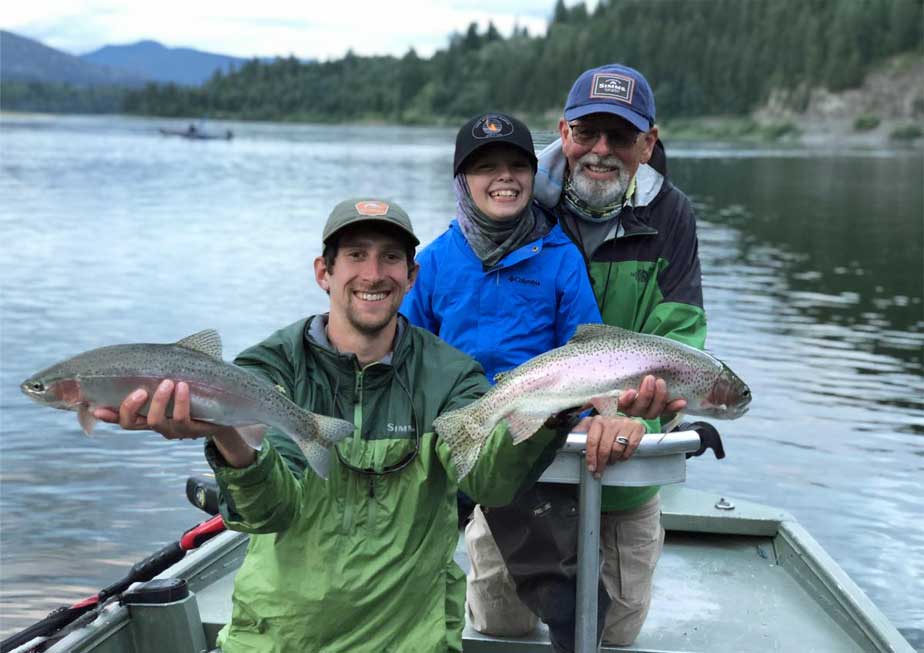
column 364, row 560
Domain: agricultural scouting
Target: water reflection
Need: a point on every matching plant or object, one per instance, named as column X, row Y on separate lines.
column 813, row 285
column 812, row 274
column 851, row 231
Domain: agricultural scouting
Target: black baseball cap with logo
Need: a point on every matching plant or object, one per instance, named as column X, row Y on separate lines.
column 488, row 129
column 367, row 209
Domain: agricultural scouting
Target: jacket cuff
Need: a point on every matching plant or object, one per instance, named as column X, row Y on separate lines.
column 241, row 477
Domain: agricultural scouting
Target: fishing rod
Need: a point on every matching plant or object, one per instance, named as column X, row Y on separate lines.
column 200, row 494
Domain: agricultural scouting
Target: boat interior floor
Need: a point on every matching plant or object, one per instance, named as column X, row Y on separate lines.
column 712, row 593
column 715, row 593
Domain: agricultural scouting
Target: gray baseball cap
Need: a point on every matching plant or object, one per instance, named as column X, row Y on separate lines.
column 368, row 209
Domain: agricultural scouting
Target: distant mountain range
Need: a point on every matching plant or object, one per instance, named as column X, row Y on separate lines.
column 158, row 63
column 24, row 59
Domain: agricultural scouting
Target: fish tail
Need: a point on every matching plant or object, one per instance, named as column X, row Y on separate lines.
column 524, row 425
column 464, row 436
column 315, row 435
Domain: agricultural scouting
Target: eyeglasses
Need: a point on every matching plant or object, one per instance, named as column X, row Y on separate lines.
column 619, row 138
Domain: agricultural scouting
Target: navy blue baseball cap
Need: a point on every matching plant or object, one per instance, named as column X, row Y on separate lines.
column 614, row 89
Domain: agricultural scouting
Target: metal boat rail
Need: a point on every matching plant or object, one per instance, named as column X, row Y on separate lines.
column 659, row 460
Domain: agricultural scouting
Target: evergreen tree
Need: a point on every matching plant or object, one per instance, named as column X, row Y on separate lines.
column 702, row 57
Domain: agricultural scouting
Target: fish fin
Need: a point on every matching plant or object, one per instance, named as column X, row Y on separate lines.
column 464, row 436
column 318, row 457
column 86, row 419
column 607, row 405
column 252, row 434
column 524, row 425
column 315, row 435
column 675, row 420
column 207, row 342
column 586, row 332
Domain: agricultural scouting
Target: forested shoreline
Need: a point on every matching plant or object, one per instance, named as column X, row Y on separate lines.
column 721, row 57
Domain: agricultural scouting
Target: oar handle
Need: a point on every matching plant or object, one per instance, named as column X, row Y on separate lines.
column 200, row 534
column 146, row 569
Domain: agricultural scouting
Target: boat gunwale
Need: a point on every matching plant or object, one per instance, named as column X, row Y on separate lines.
column 818, row 573
column 797, row 552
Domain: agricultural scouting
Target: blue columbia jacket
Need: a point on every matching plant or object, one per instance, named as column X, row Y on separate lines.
column 529, row 303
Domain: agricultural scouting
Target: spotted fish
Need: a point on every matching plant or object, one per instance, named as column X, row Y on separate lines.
column 219, row 392
column 594, row 367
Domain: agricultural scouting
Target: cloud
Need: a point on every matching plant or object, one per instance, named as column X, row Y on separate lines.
column 271, row 27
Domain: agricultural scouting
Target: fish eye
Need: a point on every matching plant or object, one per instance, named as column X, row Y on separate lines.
column 38, row 386
column 747, row 392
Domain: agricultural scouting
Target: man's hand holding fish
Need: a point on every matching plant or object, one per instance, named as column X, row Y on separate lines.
column 180, row 426
column 650, row 401
column 609, row 439
column 605, row 433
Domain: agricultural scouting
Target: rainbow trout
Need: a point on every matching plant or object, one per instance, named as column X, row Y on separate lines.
column 594, row 367
column 219, row 392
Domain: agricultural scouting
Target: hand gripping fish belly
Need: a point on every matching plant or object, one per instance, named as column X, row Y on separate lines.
column 594, row 367
column 220, row 392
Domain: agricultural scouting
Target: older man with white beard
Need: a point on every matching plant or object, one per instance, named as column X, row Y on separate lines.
column 606, row 181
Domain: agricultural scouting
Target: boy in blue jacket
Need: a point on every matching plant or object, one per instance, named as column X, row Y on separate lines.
column 503, row 284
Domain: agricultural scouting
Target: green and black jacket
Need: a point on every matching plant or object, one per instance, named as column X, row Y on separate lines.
column 646, row 273
column 361, row 563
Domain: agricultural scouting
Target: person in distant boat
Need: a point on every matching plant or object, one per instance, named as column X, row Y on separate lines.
column 361, row 562
column 606, row 182
column 191, row 130
column 504, row 284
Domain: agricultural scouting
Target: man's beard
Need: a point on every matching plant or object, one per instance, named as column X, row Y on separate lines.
column 369, row 326
column 597, row 192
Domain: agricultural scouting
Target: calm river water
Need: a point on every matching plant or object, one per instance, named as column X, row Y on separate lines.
column 813, row 272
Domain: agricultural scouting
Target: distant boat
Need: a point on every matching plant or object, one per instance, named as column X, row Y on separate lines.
column 197, row 134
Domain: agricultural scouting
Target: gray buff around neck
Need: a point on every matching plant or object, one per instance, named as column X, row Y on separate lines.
column 492, row 240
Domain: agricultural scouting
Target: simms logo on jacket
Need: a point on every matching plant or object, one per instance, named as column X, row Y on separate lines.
column 400, row 428
column 617, row 87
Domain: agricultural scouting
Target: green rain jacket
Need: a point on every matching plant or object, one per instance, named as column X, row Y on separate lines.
column 361, row 563
column 645, row 274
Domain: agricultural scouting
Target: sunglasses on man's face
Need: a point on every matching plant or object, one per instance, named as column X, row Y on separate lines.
column 618, row 138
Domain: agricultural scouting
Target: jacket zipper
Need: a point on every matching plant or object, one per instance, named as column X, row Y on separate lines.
column 357, row 437
column 358, row 422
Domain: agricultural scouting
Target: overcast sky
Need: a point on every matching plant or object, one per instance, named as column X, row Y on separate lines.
column 316, row 30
